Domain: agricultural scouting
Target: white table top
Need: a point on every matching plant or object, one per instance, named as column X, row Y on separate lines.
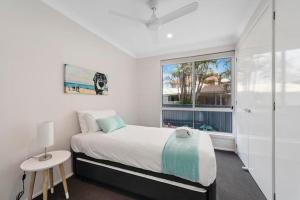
column 33, row 164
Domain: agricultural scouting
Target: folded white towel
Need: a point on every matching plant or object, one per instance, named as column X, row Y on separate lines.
column 183, row 132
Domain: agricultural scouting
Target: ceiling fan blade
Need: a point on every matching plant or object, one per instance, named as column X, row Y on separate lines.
column 178, row 13
column 127, row 17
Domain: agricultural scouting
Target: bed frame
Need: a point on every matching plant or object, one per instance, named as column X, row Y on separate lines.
column 142, row 182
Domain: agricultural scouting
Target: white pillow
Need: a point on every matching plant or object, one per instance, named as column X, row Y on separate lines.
column 82, row 122
column 91, row 118
column 87, row 120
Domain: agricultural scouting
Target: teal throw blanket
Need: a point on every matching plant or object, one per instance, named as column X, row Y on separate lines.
column 180, row 157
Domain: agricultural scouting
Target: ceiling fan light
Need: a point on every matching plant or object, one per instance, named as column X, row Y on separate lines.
column 169, row 35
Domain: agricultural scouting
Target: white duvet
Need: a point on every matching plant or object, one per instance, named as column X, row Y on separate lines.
column 142, row 147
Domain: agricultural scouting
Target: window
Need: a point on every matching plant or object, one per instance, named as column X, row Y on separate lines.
column 197, row 92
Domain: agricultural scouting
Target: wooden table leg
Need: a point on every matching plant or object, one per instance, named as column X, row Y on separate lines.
column 51, row 180
column 63, row 178
column 33, row 175
column 45, row 184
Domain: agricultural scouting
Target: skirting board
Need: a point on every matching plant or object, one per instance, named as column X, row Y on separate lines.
column 55, row 183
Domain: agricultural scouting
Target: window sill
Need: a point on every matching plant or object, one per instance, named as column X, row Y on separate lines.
column 221, row 135
column 223, row 141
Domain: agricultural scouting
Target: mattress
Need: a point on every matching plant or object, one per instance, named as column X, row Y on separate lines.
column 142, row 147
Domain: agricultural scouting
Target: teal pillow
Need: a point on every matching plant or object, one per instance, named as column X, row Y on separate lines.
column 110, row 124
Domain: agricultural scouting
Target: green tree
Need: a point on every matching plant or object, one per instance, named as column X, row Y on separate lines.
column 202, row 71
column 182, row 78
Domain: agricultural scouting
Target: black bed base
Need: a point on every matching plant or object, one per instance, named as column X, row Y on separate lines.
column 142, row 182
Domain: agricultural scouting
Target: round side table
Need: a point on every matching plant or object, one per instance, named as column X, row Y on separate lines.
column 33, row 165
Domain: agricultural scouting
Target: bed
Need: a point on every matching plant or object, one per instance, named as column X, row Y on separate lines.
column 130, row 158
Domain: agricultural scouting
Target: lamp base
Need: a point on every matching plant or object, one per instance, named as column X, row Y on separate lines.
column 45, row 157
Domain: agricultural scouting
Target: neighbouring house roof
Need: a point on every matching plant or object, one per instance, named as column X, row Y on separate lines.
column 213, row 89
column 212, row 78
column 206, row 89
column 215, row 79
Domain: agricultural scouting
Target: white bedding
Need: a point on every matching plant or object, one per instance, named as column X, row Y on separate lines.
column 142, row 147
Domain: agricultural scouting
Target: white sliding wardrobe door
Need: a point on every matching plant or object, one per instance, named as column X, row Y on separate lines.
column 287, row 114
column 243, row 98
column 254, row 100
column 260, row 121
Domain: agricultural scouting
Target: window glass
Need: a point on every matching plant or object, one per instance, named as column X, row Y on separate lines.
column 175, row 118
column 213, row 83
column 213, row 121
column 177, row 85
column 205, row 84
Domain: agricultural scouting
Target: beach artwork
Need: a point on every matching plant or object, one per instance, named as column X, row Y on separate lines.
column 79, row 80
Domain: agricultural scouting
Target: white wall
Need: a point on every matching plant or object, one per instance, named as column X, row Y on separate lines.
column 35, row 42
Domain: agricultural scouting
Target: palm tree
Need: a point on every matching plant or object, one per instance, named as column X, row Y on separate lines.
column 202, row 71
column 205, row 69
column 183, row 81
column 227, row 72
column 182, row 77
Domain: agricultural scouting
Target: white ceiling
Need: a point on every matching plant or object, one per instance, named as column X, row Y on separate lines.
column 215, row 23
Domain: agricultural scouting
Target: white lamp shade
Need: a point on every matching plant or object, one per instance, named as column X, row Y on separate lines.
column 45, row 134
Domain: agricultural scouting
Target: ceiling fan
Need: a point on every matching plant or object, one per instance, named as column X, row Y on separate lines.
column 155, row 22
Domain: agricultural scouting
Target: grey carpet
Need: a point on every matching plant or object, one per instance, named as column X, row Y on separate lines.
column 232, row 184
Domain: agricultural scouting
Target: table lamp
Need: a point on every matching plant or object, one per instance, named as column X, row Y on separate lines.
column 45, row 137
